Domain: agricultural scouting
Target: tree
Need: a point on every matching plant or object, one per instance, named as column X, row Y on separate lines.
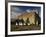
column 22, row 21
column 27, row 21
column 17, row 21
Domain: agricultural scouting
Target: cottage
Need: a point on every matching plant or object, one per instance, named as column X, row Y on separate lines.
column 33, row 18
column 27, row 19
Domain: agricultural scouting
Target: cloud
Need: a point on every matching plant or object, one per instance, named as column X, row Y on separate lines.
column 13, row 15
column 28, row 10
column 34, row 10
column 16, row 9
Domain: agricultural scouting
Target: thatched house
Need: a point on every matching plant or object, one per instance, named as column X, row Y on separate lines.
column 33, row 18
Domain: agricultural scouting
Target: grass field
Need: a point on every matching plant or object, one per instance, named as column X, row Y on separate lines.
column 24, row 27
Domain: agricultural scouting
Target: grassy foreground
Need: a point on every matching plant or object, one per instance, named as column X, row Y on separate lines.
column 24, row 27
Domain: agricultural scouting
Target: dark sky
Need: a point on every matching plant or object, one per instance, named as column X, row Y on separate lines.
column 18, row 10
column 24, row 8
